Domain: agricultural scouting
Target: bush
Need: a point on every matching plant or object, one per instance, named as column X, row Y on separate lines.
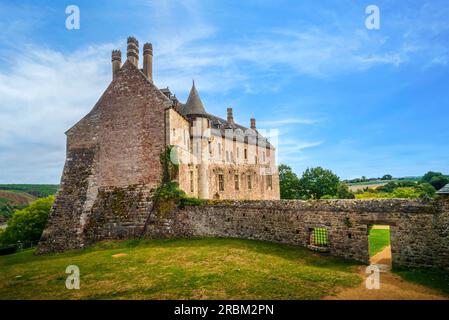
column 406, row 193
column 27, row 224
column 426, row 190
column 343, row 192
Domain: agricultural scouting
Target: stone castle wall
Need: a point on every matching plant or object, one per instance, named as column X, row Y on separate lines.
column 419, row 230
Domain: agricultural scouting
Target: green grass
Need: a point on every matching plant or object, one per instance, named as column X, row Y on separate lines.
column 378, row 240
column 435, row 279
column 178, row 269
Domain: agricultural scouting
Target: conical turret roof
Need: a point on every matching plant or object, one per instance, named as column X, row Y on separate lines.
column 194, row 105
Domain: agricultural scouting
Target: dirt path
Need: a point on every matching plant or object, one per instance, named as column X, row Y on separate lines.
column 392, row 286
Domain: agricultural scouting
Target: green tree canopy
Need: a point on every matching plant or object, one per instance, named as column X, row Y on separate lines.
column 27, row 224
column 289, row 183
column 436, row 179
column 318, row 182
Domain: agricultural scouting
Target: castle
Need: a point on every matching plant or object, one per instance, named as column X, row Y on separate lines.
column 113, row 162
column 114, row 166
column 133, row 121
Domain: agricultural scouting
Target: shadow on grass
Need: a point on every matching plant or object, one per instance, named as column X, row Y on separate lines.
column 432, row 278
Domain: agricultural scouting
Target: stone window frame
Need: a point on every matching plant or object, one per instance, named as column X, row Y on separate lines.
column 192, row 181
column 269, row 181
column 249, row 183
column 221, row 182
column 237, row 182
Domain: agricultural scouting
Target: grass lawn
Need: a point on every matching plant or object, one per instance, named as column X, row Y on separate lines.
column 178, row 269
column 378, row 240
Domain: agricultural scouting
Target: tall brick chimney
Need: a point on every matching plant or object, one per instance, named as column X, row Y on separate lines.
column 148, row 60
column 253, row 123
column 230, row 116
column 132, row 52
column 116, row 62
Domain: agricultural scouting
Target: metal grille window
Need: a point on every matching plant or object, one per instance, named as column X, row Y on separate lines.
column 221, row 182
column 319, row 237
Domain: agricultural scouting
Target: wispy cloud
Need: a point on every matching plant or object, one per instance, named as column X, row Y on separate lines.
column 44, row 93
column 282, row 122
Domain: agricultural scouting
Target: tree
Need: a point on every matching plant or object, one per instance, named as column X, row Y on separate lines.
column 436, row 179
column 426, row 189
column 317, row 182
column 27, row 224
column 343, row 192
column 387, row 177
column 289, row 183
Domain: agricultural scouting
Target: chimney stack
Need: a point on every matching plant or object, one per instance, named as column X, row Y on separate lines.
column 253, row 123
column 148, row 60
column 230, row 116
column 116, row 62
column 132, row 53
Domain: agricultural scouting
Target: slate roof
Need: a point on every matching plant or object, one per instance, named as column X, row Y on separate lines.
column 194, row 107
column 444, row 190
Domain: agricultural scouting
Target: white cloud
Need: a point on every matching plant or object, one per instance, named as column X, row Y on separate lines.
column 44, row 93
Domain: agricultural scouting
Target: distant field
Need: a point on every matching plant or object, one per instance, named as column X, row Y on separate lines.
column 37, row 190
column 17, row 196
column 356, row 186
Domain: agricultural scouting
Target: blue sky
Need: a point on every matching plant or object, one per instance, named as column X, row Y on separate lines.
column 356, row 101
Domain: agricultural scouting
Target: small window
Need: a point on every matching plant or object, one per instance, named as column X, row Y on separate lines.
column 227, row 156
column 210, row 147
column 221, row 182
column 255, row 159
column 174, row 132
column 236, row 182
column 250, row 185
column 246, row 154
column 191, row 182
column 263, row 156
column 232, row 156
column 269, row 182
